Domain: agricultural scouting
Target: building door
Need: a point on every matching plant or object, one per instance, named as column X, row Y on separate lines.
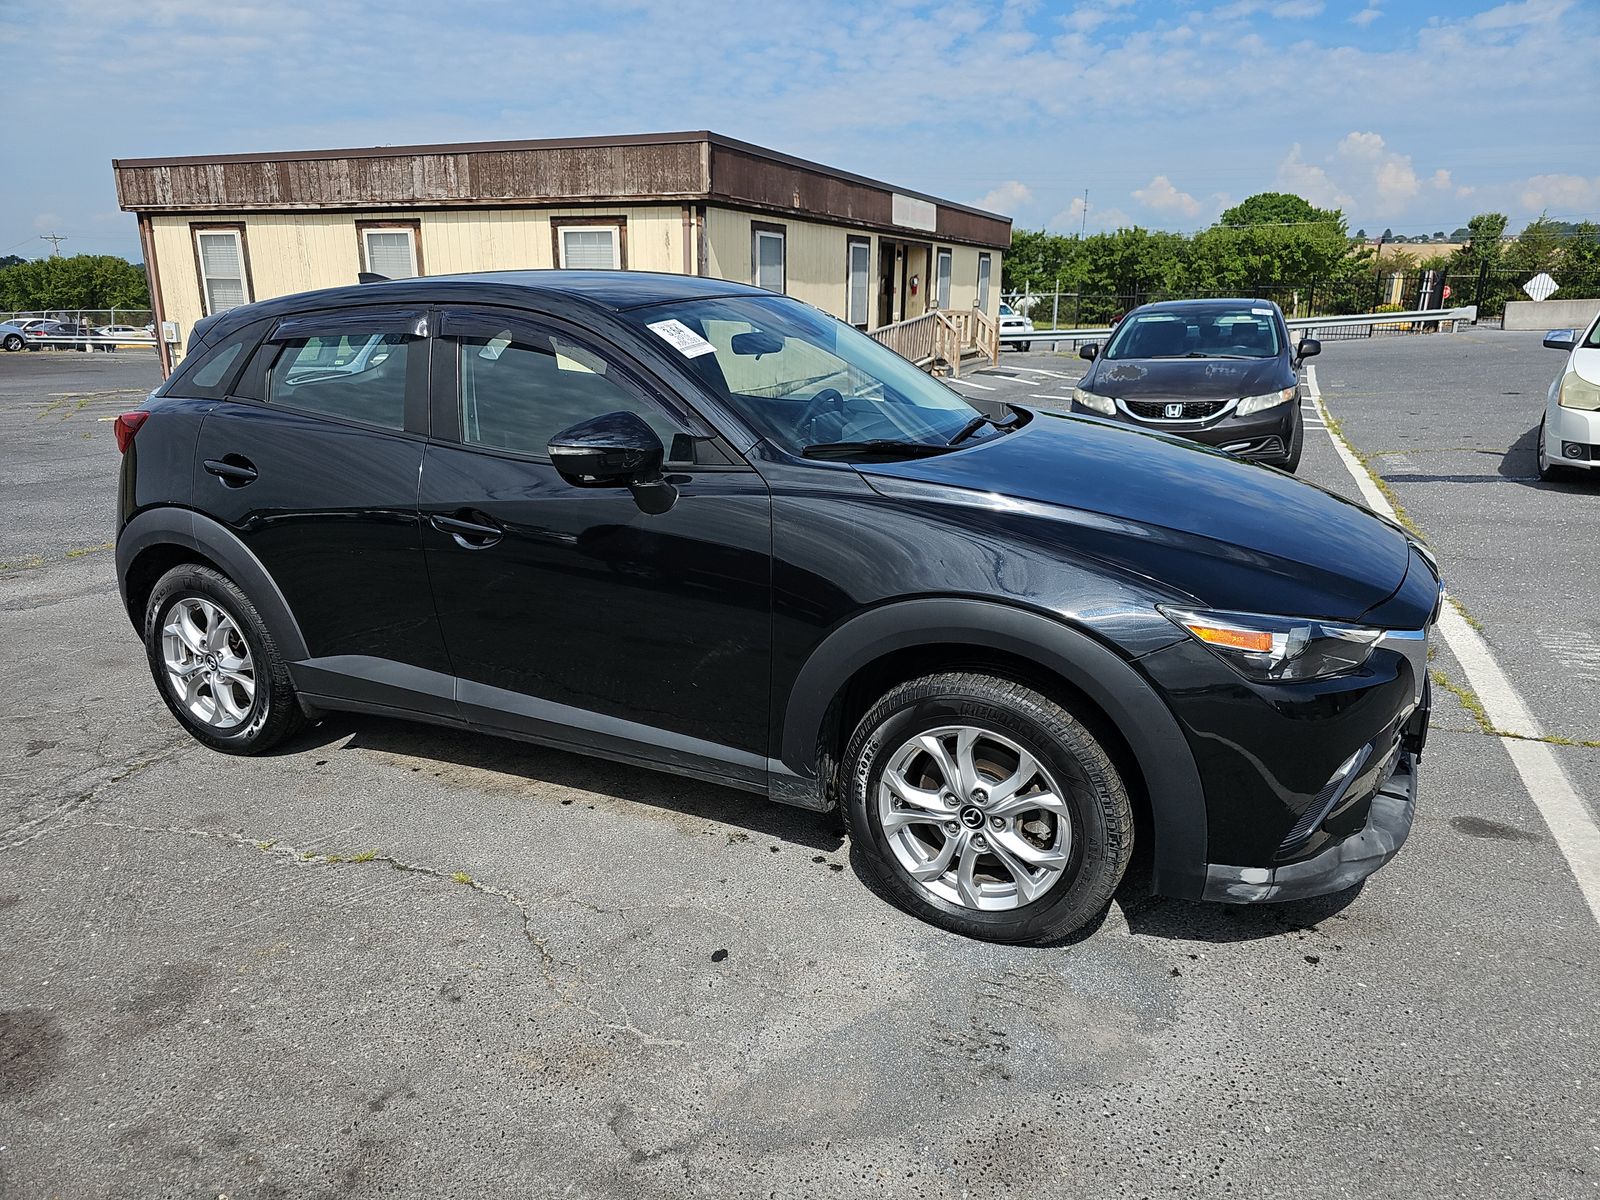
column 889, row 304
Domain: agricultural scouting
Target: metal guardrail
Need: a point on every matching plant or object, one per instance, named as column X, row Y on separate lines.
column 1452, row 316
column 88, row 341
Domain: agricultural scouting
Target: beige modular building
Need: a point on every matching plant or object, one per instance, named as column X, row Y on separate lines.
column 228, row 229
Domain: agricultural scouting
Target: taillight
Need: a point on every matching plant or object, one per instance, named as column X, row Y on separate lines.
column 127, row 425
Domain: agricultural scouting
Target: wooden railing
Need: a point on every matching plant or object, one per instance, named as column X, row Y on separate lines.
column 939, row 340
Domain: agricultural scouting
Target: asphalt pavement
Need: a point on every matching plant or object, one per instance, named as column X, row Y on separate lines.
column 394, row 960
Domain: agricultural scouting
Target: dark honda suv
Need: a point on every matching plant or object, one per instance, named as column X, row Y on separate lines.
column 1222, row 372
column 708, row 529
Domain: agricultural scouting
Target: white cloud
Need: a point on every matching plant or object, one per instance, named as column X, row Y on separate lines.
column 1563, row 195
column 1162, row 197
column 1389, row 176
column 1087, row 17
column 1005, row 199
column 1441, row 180
column 1366, row 16
column 1311, row 181
column 1283, row 9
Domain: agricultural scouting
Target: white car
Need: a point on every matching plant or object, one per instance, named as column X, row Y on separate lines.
column 1012, row 322
column 130, row 333
column 1569, row 434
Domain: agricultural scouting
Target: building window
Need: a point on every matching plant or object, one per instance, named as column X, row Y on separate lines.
column 859, row 282
column 224, row 270
column 767, row 255
column 941, row 294
column 983, row 282
column 389, row 248
column 588, row 245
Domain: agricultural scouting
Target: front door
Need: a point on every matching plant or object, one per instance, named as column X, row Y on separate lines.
column 888, row 282
column 570, row 614
column 313, row 464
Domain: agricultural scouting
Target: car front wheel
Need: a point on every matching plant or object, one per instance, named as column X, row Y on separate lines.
column 216, row 664
column 984, row 807
column 1550, row 470
column 13, row 342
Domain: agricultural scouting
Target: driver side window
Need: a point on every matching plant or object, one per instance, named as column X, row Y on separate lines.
column 519, row 388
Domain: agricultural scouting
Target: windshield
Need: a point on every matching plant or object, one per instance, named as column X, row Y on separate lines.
column 801, row 378
column 1594, row 334
column 1222, row 332
column 1005, row 311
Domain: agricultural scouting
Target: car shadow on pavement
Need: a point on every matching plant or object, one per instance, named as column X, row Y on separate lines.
column 513, row 760
column 1521, row 462
column 1199, row 921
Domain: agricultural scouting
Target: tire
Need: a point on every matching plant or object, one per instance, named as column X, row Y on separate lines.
column 13, row 342
column 1549, row 470
column 1024, row 346
column 220, row 710
column 1297, row 445
column 1076, row 849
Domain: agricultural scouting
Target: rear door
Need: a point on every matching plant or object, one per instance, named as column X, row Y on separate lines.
column 313, row 461
column 570, row 614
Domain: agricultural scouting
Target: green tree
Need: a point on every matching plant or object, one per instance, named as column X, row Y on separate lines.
column 1537, row 248
column 11, row 260
column 74, row 281
column 1279, row 208
column 1484, row 232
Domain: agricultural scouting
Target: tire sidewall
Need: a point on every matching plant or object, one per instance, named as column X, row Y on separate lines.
column 183, row 584
column 1072, row 902
column 13, row 343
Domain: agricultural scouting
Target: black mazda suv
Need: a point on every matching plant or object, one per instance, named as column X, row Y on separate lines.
column 700, row 527
column 1221, row 372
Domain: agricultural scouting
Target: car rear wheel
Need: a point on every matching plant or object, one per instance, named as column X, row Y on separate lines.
column 216, row 664
column 13, row 342
column 986, row 808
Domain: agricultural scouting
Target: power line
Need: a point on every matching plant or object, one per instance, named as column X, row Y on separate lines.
column 55, row 240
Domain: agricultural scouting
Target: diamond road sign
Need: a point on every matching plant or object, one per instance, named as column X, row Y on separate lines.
column 1541, row 286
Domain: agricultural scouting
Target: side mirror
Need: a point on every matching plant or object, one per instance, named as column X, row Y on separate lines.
column 615, row 450
column 1089, row 351
column 1308, row 348
column 1561, row 339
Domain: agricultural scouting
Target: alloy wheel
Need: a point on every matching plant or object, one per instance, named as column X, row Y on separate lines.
column 209, row 667
column 974, row 818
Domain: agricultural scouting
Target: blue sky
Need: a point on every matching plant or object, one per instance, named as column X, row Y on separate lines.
column 1406, row 113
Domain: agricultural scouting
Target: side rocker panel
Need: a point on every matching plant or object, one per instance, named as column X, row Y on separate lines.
column 1177, row 799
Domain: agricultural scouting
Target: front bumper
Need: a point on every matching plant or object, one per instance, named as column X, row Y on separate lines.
column 1339, row 866
column 1572, row 439
column 1265, row 435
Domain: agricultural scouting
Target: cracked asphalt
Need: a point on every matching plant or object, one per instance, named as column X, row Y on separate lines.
column 393, row 960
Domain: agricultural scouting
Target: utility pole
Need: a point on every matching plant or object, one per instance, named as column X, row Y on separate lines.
column 1084, row 227
column 55, row 240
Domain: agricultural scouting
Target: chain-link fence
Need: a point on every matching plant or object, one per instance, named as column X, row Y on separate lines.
column 84, row 329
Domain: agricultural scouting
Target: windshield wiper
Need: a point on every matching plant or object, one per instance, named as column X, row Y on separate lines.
column 880, row 446
column 978, row 422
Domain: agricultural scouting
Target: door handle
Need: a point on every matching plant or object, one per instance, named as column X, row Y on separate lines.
column 235, row 470
column 470, row 535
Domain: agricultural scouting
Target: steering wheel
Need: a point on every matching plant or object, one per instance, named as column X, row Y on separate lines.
column 825, row 401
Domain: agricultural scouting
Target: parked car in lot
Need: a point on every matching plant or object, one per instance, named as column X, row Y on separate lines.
column 697, row 526
column 1222, row 372
column 55, row 335
column 130, row 333
column 1013, row 322
column 1569, row 431
column 11, row 336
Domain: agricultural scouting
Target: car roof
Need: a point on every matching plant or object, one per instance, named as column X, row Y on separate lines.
column 1203, row 305
column 616, row 291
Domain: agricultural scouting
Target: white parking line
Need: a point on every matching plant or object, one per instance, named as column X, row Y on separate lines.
column 1563, row 810
column 1043, row 396
column 1042, row 371
column 982, row 387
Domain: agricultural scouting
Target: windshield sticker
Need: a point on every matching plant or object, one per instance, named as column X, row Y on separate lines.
column 1262, row 312
column 685, row 340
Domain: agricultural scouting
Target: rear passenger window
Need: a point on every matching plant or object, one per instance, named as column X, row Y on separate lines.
column 214, row 368
column 519, row 389
column 357, row 376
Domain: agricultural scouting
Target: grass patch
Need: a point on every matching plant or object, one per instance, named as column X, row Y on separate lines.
column 1378, row 481
column 364, row 856
column 1466, row 616
column 1474, row 706
column 462, row 878
column 80, row 551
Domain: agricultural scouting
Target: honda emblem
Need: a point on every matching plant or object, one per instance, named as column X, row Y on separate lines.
column 1173, row 411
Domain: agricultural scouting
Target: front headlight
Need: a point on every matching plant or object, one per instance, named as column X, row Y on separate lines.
column 1277, row 649
column 1094, row 402
column 1255, row 404
column 1578, row 392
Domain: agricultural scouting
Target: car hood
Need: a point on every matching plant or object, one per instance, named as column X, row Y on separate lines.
column 1193, row 521
column 1187, row 378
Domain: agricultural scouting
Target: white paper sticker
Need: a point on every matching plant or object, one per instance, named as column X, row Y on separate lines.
column 687, row 342
column 1262, row 312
